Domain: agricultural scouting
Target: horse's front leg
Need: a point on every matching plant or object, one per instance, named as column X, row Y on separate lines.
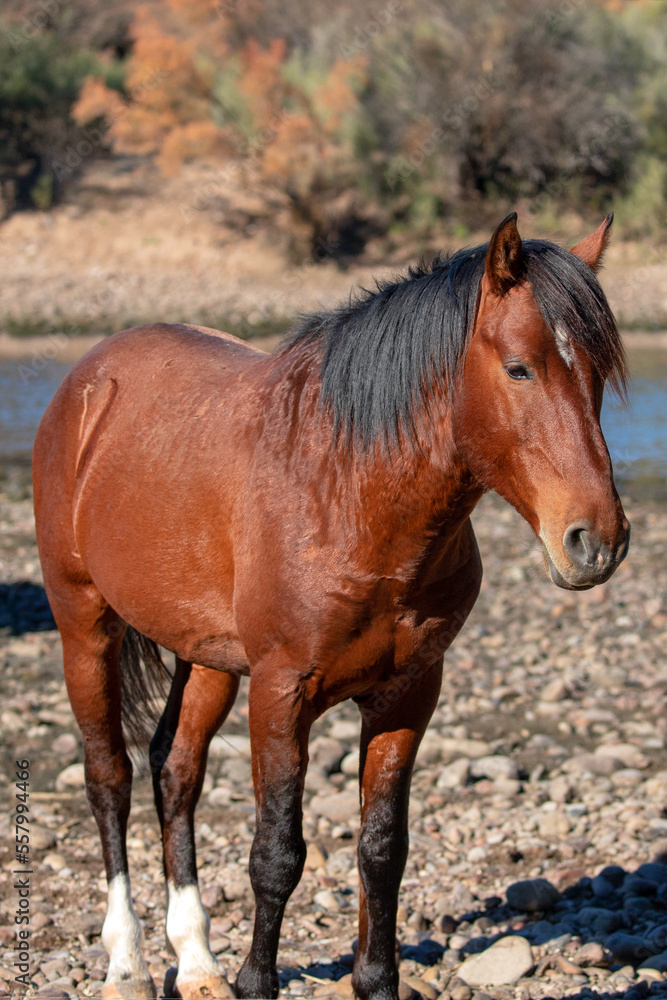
column 280, row 721
column 389, row 744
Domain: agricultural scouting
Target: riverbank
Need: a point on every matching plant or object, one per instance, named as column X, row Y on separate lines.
column 68, row 349
column 196, row 248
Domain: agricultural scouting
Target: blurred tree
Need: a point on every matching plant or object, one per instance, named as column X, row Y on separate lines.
column 40, row 77
column 350, row 119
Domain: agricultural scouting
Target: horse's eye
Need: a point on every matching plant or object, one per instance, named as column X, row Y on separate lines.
column 517, row 371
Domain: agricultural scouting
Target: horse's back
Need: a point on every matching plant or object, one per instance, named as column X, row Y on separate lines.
column 144, row 349
column 163, row 358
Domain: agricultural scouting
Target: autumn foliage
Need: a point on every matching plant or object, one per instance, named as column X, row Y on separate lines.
column 171, row 107
column 346, row 119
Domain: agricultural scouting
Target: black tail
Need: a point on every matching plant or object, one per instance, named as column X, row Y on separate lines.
column 145, row 683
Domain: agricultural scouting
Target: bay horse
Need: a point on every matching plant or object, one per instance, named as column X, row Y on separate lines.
column 304, row 518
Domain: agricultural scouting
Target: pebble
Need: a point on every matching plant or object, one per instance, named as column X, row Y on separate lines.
column 55, row 861
column 555, row 690
column 554, row 825
column 41, row 839
column 630, row 755
column 236, row 887
column 531, row 895
column 326, row 900
column 459, row 990
column 229, row 746
column 503, row 964
column 454, row 775
column 327, row 753
column 315, row 857
column 494, row 767
column 71, row 777
column 65, row 744
column 591, row 954
column 336, row 808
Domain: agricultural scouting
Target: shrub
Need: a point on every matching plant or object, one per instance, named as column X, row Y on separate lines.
column 40, row 78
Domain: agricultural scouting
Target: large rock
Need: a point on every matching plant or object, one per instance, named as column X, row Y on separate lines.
column 533, row 894
column 628, row 947
column 658, row 962
column 503, row 964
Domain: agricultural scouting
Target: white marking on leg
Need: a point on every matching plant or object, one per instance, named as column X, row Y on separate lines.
column 564, row 345
column 187, row 932
column 122, row 935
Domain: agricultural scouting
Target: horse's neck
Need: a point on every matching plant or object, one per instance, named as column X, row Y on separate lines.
column 419, row 497
column 402, row 498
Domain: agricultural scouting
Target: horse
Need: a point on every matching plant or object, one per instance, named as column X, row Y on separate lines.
column 303, row 517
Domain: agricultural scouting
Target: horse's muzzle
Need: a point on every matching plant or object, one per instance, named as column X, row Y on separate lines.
column 591, row 561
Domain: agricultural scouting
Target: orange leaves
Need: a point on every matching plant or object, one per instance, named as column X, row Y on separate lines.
column 261, row 81
column 163, row 72
column 295, row 154
column 193, row 141
column 337, row 96
column 96, row 100
column 190, row 71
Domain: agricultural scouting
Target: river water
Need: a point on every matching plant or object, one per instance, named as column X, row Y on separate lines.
column 636, row 435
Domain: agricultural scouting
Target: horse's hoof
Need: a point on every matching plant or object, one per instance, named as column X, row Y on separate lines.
column 130, row 989
column 170, row 983
column 213, row 988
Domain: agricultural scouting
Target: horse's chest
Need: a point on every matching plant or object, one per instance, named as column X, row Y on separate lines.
column 396, row 641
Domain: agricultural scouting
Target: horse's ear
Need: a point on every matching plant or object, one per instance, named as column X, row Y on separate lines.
column 592, row 248
column 504, row 258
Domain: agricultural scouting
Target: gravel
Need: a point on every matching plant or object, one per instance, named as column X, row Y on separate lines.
column 537, row 811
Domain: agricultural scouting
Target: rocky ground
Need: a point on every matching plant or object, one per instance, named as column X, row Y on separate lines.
column 546, row 760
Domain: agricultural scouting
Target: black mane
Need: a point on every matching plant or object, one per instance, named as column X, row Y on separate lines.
column 383, row 351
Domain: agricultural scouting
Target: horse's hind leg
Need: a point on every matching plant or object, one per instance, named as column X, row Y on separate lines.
column 199, row 701
column 280, row 721
column 92, row 635
column 389, row 746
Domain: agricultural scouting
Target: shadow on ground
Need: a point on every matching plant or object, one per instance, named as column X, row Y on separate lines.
column 611, row 928
column 24, row 607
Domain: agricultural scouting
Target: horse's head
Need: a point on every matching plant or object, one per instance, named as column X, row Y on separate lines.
column 527, row 408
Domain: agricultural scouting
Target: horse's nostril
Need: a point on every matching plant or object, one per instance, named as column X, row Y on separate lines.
column 580, row 544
